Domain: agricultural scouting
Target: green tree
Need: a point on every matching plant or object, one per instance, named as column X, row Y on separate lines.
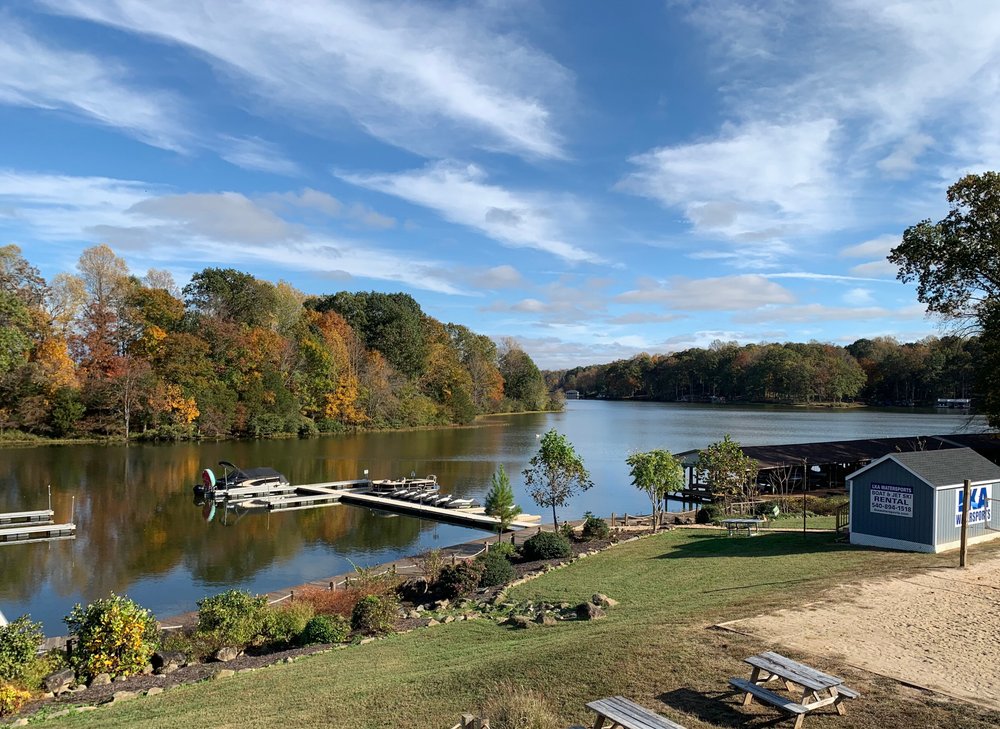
column 555, row 473
column 731, row 473
column 500, row 501
column 232, row 295
column 657, row 473
column 523, row 381
column 956, row 264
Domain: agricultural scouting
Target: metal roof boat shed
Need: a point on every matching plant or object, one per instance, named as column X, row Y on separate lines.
column 914, row 501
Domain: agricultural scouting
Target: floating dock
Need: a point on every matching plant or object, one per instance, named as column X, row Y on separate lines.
column 26, row 532
column 358, row 493
column 43, row 516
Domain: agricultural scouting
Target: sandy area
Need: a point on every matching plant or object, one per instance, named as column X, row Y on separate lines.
column 938, row 629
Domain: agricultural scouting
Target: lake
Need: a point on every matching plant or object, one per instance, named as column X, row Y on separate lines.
column 140, row 533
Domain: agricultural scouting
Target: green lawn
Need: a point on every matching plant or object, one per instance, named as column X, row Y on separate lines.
column 655, row 648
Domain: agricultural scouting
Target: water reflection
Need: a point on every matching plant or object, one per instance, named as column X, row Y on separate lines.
column 138, row 531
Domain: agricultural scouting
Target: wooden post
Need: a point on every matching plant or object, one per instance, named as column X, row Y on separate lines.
column 805, row 487
column 963, row 554
column 612, row 518
column 332, row 586
column 626, row 518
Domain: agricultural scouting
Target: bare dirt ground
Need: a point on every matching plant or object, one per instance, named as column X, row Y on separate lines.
column 938, row 629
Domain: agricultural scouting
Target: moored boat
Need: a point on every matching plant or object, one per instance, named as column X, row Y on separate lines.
column 241, row 483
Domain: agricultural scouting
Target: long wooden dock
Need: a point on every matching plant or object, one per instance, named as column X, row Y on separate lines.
column 42, row 516
column 26, row 532
column 358, row 493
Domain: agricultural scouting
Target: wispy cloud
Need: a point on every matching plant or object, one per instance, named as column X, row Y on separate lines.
column 253, row 153
column 724, row 293
column 425, row 78
column 461, row 194
column 43, row 76
column 152, row 226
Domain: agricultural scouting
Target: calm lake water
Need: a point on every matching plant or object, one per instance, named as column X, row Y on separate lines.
column 139, row 532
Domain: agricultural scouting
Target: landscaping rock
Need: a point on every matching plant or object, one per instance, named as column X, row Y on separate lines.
column 415, row 614
column 101, row 679
column 589, row 611
column 164, row 670
column 59, row 682
column 223, row 673
column 448, row 619
column 520, row 622
column 602, row 600
column 432, row 621
column 20, row 722
column 442, row 604
column 226, row 653
column 119, row 696
column 545, row 619
column 154, row 691
column 120, row 679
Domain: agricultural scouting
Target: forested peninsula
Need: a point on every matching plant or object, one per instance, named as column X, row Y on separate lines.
column 878, row 371
column 102, row 353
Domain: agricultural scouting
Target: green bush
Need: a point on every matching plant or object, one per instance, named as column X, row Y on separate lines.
column 567, row 530
column 595, row 528
column 12, row 698
column 507, row 549
column 19, row 642
column 113, row 635
column 325, row 629
column 497, row 569
column 234, row 618
column 546, row 545
column 460, row 579
column 283, row 625
column 709, row 514
column 375, row 614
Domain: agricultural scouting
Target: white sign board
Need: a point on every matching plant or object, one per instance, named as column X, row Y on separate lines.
column 890, row 499
column 979, row 505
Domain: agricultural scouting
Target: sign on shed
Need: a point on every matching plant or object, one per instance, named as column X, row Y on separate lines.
column 892, row 499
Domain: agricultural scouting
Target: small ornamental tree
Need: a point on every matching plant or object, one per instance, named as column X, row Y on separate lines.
column 555, row 473
column 731, row 473
column 500, row 502
column 657, row 473
column 113, row 635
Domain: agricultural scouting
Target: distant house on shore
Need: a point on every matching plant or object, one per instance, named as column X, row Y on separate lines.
column 572, row 394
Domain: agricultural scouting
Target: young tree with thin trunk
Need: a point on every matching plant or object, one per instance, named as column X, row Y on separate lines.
column 500, row 502
column 555, row 473
column 657, row 473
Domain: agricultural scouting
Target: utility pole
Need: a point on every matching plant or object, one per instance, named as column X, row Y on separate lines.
column 963, row 553
column 805, row 487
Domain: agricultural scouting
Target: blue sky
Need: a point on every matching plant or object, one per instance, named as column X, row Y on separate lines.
column 594, row 179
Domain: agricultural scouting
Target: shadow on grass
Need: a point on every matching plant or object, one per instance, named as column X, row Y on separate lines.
column 774, row 544
column 716, row 708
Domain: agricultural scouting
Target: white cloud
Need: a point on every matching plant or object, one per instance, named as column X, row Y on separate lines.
column 42, row 76
column 499, row 277
column 424, row 78
column 878, row 247
column 858, row 297
column 154, row 228
column 758, row 181
column 253, row 153
column 461, row 194
column 903, row 159
column 875, row 268
column 725, row 293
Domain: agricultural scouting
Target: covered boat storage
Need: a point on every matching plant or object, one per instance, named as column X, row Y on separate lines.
column 914, row 501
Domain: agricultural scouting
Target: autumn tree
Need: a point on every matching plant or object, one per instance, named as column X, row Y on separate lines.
column 658, row 474
column 500, row 501
column 555, row 473
column 231, row 295
column 523, row 381
column 731, row 473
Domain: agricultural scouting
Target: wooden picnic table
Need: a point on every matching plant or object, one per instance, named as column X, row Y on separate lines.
column 628, row 715
column 746, row 527
column 812, row 687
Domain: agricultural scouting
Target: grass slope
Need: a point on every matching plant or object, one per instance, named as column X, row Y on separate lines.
column 654, row 648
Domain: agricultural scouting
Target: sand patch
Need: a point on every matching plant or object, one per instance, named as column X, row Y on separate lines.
column 939, row 629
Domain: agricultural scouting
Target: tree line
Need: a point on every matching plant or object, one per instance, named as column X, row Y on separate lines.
column 876, row 371
column 102, row 352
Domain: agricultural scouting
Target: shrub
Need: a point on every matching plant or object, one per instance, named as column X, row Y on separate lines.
column 507, row 549
column 283, row 625
column 113, row 635
column 567, row 530
column 369, row 581
column 497, row 569
column 19, row 642
column 460, row 579
column 509, row 706
column 330, row 602
column 709, row 514
column 546, row 545
column 430, row 564
column 375, row 614
column 12, row 698
column 234, row 618
column 595, row 528
column 325, row 629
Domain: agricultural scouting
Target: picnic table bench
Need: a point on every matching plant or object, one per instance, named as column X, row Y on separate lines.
column 744, row 527
column 799, row 679
column 627, row 714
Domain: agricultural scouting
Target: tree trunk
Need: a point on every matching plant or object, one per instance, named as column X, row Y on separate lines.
column 555, row 522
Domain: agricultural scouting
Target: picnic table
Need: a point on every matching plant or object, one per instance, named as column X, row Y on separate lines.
column 744, row 527
column 812, row 688
column 627, row 714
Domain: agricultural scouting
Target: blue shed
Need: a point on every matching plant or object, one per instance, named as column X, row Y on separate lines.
column 914, row 501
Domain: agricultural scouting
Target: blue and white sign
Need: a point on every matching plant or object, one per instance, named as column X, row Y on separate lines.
column 887, row 498
column 979, row 505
